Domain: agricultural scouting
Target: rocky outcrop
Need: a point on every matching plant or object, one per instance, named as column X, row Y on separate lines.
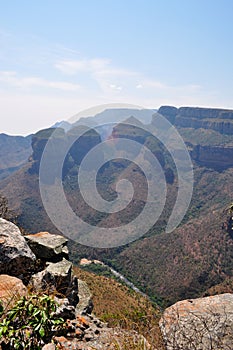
column 16, row 258
column 88, row 332
column 213, row 156
column 48, row 246
column 39, row 141
column 81, row 330
column 57, row 277
column 206, row 113
column 83, row 140
column 220, row 120
column 200, row 324
column 76, row 143
column 218, row 157
column 85, row 305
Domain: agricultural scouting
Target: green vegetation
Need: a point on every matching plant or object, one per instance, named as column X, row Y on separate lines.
column 29, row 323
column 99, row 270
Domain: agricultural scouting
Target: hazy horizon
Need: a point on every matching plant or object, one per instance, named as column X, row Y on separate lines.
column 58, row 58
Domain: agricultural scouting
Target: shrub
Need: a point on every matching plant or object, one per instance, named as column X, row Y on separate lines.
column 30, row 323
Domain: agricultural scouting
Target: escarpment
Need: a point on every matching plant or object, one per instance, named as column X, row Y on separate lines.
column 218, row 156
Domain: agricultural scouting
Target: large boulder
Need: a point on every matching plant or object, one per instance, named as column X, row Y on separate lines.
column 16, row 258
column 56, row 277
column 47, row 246
column 11, row 289
column 200, row 324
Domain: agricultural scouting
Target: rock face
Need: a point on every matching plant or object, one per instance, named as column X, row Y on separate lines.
column 81, row 139
column 213, row 156
column 10, row 289
column 48, row 246
column 200, row 324
column 39, row 141
column 56, row 277
column 16, row 258
column 220, row 120
column 85, row 305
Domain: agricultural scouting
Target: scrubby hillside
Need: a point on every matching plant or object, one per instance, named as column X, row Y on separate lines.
column 198, row 253
column 118, row 305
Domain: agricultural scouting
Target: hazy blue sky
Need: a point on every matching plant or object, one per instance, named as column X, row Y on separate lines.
column 58, row 57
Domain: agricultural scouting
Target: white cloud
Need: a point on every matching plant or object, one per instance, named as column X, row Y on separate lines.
column 108, row 77
column 115, row 87
column 73, row 67
column 124, row 83
column 11, row 78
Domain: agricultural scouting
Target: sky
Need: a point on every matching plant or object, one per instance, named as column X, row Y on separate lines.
column 59, row 57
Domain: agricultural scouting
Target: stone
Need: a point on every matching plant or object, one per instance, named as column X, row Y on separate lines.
column 56, row 277
column 64, row 310
column 200, row 324
column 85, row 305
column 11, row 289
column 72, row 291
column 16, row 258
column 48, row 246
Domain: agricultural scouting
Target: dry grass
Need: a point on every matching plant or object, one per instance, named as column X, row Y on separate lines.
column 119, row 306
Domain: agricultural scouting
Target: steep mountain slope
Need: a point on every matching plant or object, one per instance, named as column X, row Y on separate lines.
column 182, row 264
column 198, row 253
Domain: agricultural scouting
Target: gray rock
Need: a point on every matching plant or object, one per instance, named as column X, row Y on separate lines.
column 48, row 246
column 16, row 258
column 85, row 305
column 64, row 310
column 200, row 324
column 72, row 291
column 57, row 277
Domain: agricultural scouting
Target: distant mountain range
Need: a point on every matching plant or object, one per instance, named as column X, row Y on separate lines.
column 167, row 266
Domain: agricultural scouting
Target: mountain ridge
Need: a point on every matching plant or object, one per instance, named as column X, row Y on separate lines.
column 212, row 194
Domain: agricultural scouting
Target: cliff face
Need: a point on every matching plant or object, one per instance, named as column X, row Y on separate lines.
column 220, row 120
column 222, row 126
column 213, row 156
column 80, row 145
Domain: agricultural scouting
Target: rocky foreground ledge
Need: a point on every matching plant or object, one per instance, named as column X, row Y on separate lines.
column 199, row 324
column 40, row 263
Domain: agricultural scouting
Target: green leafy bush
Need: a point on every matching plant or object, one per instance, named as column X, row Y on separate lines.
column 30, row 323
